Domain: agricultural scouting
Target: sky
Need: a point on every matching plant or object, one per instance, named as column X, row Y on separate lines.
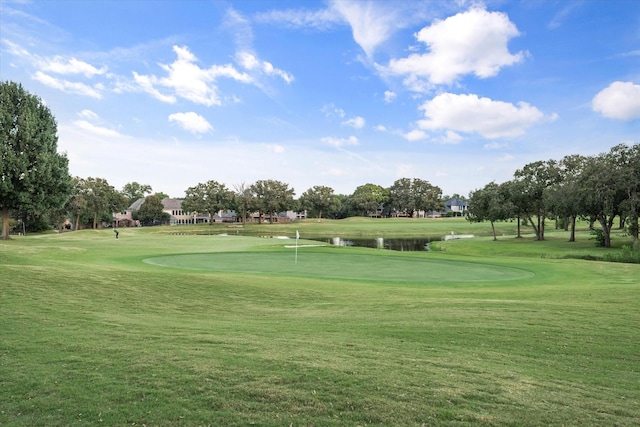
column 333, row 93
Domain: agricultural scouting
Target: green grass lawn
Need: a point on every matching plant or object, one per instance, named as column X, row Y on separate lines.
column 159, row 328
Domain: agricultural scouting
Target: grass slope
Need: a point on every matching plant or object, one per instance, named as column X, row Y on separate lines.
column 91, row 334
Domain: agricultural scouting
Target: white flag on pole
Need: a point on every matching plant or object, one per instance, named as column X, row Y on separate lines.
column 297, row 235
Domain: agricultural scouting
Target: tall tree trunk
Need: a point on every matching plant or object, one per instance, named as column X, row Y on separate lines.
column 494, row 231
column 573, row 229
column 5, row 223
column 606, row 229
column 533, row 224
column 541, row 224
column 95, row 220
column 518, row 236
column 77, row 226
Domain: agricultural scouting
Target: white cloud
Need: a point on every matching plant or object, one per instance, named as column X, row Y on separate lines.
column 371, row 22
column 381, row 128
column 389, row 96
column 620, row 100
column 252, row 63
column 245, row 56
column 451, row 137
column 330, row 110
column 187, row 80
column 355, row 122
column 563, row 15
column 339, row 142
column 88, row 114
column 146, row 84
column 494, row 145
column 471, row 42
column 97, row 130
column 471, row 114
column 61, row 65
column 67, row 86
column 275, row 148
column 319, row 19
column 415, row 135
column 191, row 122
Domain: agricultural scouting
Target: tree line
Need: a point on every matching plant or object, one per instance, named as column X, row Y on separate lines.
column 37, row 191
column 596, row 188
column 94, row 200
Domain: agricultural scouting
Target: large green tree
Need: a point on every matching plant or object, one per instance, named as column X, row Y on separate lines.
column 272, row 196
column 368, row 198
column 33, row 175
column 134, row 191
column 563, row 198
column 77, row 205
column 602, row 191
column 152, row 212
column 319, row 199
column 407, row 196
column 243, row 200
column 489, row 204
column 534, row 179
column 627, row 159
column 401, row 197
column 102, row 199
column 207, row 198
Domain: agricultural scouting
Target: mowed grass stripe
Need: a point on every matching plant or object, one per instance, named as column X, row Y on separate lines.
column 343, row 265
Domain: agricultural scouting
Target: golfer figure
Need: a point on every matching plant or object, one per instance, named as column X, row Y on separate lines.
column 116, row 231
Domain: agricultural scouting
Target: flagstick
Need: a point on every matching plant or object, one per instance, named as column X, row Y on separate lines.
column 297, row 237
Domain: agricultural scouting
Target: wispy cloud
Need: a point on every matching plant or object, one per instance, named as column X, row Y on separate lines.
column 61, row 65
column 251, row 63
column 322, row 19
column 330, row 110
column 97, row 130
column 191, row 122
column 560, row 17
column 68, row 86
column 339, row 142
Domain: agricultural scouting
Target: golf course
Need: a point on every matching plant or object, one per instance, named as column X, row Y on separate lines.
column 247, row 325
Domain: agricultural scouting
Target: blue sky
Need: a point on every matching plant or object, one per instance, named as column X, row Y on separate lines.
column 336, row 93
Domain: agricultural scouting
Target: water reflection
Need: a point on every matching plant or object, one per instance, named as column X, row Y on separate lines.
column 411, row 244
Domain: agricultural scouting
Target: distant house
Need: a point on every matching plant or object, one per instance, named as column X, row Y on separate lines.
column 177, row 216
column 456, row 206
column 173, row 207
column 286, row 216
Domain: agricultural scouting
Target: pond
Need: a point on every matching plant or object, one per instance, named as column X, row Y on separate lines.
column 409, row 244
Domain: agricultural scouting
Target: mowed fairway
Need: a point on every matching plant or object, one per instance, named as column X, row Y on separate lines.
column 158, row 329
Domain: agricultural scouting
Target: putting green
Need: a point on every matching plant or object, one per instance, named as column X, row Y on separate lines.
column 343, row 266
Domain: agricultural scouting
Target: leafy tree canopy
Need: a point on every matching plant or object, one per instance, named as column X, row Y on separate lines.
column 34, row 177
column 209, row 197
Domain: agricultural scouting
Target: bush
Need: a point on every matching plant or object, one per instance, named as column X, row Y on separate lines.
column 627, row 255
column 598, row 236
